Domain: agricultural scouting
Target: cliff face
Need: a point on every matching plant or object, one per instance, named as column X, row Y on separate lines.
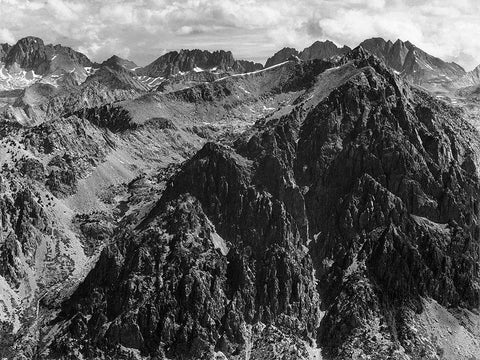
column 327, row 224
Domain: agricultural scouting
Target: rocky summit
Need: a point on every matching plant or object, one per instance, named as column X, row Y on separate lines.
column 325, row 206
column 318, row 50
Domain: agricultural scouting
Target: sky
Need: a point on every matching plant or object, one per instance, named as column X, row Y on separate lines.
column 143, row 30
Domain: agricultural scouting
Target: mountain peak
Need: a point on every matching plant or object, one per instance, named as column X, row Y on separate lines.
column 116, row 60
column 30, row 53
column 417, row 65
column 281, row 56
column 318, row 50
column 30, row 40
column 186, row 60
column 322, row 50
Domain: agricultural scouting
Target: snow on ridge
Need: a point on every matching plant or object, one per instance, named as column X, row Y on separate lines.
column 255, row 72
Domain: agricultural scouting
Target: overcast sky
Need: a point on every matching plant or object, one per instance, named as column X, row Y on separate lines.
column 142, row 30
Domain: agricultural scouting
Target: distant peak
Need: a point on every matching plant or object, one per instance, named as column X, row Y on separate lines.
column 286, row 48
column 324, row 42
column 281, row 56
column 30, row 39
column 376, row 39
column 116, row 60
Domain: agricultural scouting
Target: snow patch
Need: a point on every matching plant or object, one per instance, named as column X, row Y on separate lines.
column 243, row 89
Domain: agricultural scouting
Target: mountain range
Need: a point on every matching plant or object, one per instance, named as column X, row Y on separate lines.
column 323, row 206
column 30, row 60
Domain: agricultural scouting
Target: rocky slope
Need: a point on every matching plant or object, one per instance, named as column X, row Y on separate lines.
column 345, row 224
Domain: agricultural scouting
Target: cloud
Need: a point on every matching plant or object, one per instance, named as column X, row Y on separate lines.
column 6, row 36
column 64, row 10
column 144, row 29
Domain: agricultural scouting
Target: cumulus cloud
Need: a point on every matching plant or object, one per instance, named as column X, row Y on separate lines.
column 144, row 29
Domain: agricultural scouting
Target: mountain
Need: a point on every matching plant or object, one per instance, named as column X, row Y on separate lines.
column 118, row 61
column 4, row 48
column 281, row 56
column 322, row 50
column 65, row 179
column 311, row 209
column 178, row 62
column 74, row 82
column 318, row 50
column 413, row 63
column 31, row 53
column 404, row 57
column 325, row 208
column 46, row 99
column 245, row 66
column 117, row 73
column 30, row 61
